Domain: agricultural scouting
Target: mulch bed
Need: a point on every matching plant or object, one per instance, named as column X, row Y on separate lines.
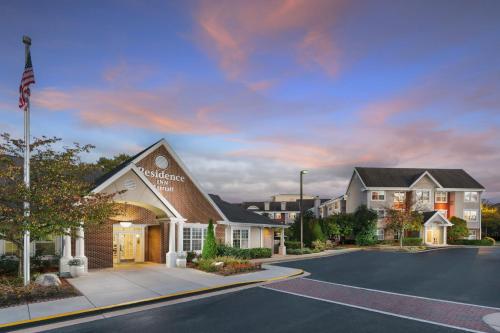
column 232, row 269
column 12, row 292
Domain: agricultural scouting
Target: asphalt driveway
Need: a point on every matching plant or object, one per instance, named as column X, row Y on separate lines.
column 469, row 275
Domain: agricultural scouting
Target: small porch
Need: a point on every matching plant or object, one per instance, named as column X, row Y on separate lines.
column 434, row 232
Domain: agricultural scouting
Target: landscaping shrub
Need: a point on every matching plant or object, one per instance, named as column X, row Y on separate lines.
column 292, row 244
column 487, row 241
column 8, row 266
column 210, row 246
column 318, row 245
column 228, row 251
column 365, row 237
column 230, row 265
column 410, row 241
column 386, row 242
column 306, row 250
column 190, row 256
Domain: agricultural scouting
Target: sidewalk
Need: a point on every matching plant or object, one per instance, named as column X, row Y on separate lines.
column 327, row 253
column 112, row 288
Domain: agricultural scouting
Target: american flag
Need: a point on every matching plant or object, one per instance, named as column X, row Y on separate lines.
column 27, row 79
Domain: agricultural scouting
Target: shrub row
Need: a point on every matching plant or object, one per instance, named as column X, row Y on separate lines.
column 228, row 251
column 486, row 241
column 306, row 250
column 292, row 244
column 412, row 241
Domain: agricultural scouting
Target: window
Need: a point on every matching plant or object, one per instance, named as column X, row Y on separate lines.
column 380, row 234
column 270, row 215
column 441, row 197
column 378, row 195
column 253, row 208
column 46, row 247
column 470, row 215
column 471, row 197
column 399, row 197
column 10, row 249
column 380, row 213
column 292, row 216
column 277, row 216
column 473, row 234
column 443, row 212
column 423, row 196
column 194, row 237
column 240, row 238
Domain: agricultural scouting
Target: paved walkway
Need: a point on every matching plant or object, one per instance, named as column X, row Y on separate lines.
column 452, row 314
column 134, row 283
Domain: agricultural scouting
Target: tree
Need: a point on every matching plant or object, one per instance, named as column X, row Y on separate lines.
column 490, row 219
column 59, row 195
column 400, row 221
column 458, row 230
column 365, row 223
column 209, row 246
column 105, row 164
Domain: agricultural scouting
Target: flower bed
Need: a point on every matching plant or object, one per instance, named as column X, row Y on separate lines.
column 13, row 292
column 225, row 266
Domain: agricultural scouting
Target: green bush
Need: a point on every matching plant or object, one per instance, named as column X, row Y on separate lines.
column 292, row 244
column 365, row 237
column 386, row 242
column 228, row 251
column 8, row 266
column 210, row 245
column 487, row 241
column 306, row 250
column 412, row 241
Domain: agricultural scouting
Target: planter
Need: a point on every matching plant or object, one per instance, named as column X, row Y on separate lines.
column 77, row 271
column 181, row 262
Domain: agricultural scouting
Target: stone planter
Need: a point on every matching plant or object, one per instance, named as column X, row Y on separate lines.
column 181, row 262
column 77, row 271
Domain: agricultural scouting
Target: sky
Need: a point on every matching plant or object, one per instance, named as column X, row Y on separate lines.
column 249, row 93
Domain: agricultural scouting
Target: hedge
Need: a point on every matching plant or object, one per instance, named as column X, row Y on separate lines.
column 306, row 250
column 412, row 241
column 254, row 253
column 292, row 244
column 487, row 241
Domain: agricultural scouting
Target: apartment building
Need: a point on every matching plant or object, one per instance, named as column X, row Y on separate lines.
column 284, row 208
column 438, row 193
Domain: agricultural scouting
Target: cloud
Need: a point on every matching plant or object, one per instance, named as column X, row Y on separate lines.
column 234, row 31
column 155, row 110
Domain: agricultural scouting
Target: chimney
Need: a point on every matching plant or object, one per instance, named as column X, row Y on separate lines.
column 266, row 205
column 283, row 205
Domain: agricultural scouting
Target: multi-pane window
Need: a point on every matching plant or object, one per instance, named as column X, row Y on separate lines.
column 240, row 238
column 380, row 213
column 378, row 195
column 471, row 196
column 380, row 234
column 399, row 197
column 470, row 215
column 441, row 197
column 277, row 216
column 46, row 247
column 193, row 238
column 423, row 196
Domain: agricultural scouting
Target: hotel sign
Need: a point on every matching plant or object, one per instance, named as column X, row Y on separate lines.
column 163, row 180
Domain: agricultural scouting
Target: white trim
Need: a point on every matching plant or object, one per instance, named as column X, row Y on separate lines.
column 444, row 189
column 426, row 173
column 177, row 159
column 430, row 220
column 244, row 224
column 377, row 200
column 435, row 196
column 248, row 229
column 471, row 209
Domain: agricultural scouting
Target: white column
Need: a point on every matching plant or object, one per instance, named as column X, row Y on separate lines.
column 425, row 234
column 180, row 237
column 261, row 236
column 80, row 247
column 282, row 248
column 171, row 254
column 66, row 255
column 445, row 229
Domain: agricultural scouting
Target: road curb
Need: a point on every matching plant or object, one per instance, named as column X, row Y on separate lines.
column 102, row 309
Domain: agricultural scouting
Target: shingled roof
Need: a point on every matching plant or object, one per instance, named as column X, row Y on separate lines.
column 236, row 213
column 405, row 177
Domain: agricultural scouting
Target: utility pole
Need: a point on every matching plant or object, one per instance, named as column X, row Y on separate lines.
column 301, row 207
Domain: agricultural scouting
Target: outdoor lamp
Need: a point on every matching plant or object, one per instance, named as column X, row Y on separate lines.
column 125, row 224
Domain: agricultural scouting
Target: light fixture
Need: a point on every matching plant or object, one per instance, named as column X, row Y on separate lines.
column 303, row 172
column 125, row 224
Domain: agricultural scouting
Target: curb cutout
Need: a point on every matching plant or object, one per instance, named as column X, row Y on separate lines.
column 102, row 309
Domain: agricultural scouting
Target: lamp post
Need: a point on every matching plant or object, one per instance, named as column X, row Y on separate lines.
column 302, row 172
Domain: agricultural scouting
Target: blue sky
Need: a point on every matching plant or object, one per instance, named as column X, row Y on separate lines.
column 249, row 93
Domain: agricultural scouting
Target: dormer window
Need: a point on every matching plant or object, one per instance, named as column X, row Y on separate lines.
column 378, row 195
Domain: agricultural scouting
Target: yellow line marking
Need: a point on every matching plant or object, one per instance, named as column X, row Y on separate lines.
column 145, row 300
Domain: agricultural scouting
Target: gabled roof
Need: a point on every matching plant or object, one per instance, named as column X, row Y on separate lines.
column 237, row 214
column 406, row 177
column 429, row 217
column 275, row 206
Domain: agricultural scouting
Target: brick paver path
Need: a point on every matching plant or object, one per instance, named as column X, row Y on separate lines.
column 459, row 315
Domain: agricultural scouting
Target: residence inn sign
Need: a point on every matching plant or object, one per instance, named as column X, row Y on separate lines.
column 162, row 180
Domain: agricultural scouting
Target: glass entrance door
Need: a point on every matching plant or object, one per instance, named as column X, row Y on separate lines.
column 127, row 247
column 128, row 244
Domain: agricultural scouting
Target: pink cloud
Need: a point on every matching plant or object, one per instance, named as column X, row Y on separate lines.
column 234, row 31
column 137, row 109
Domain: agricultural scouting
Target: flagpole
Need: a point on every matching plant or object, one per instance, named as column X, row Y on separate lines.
column 26, row 240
